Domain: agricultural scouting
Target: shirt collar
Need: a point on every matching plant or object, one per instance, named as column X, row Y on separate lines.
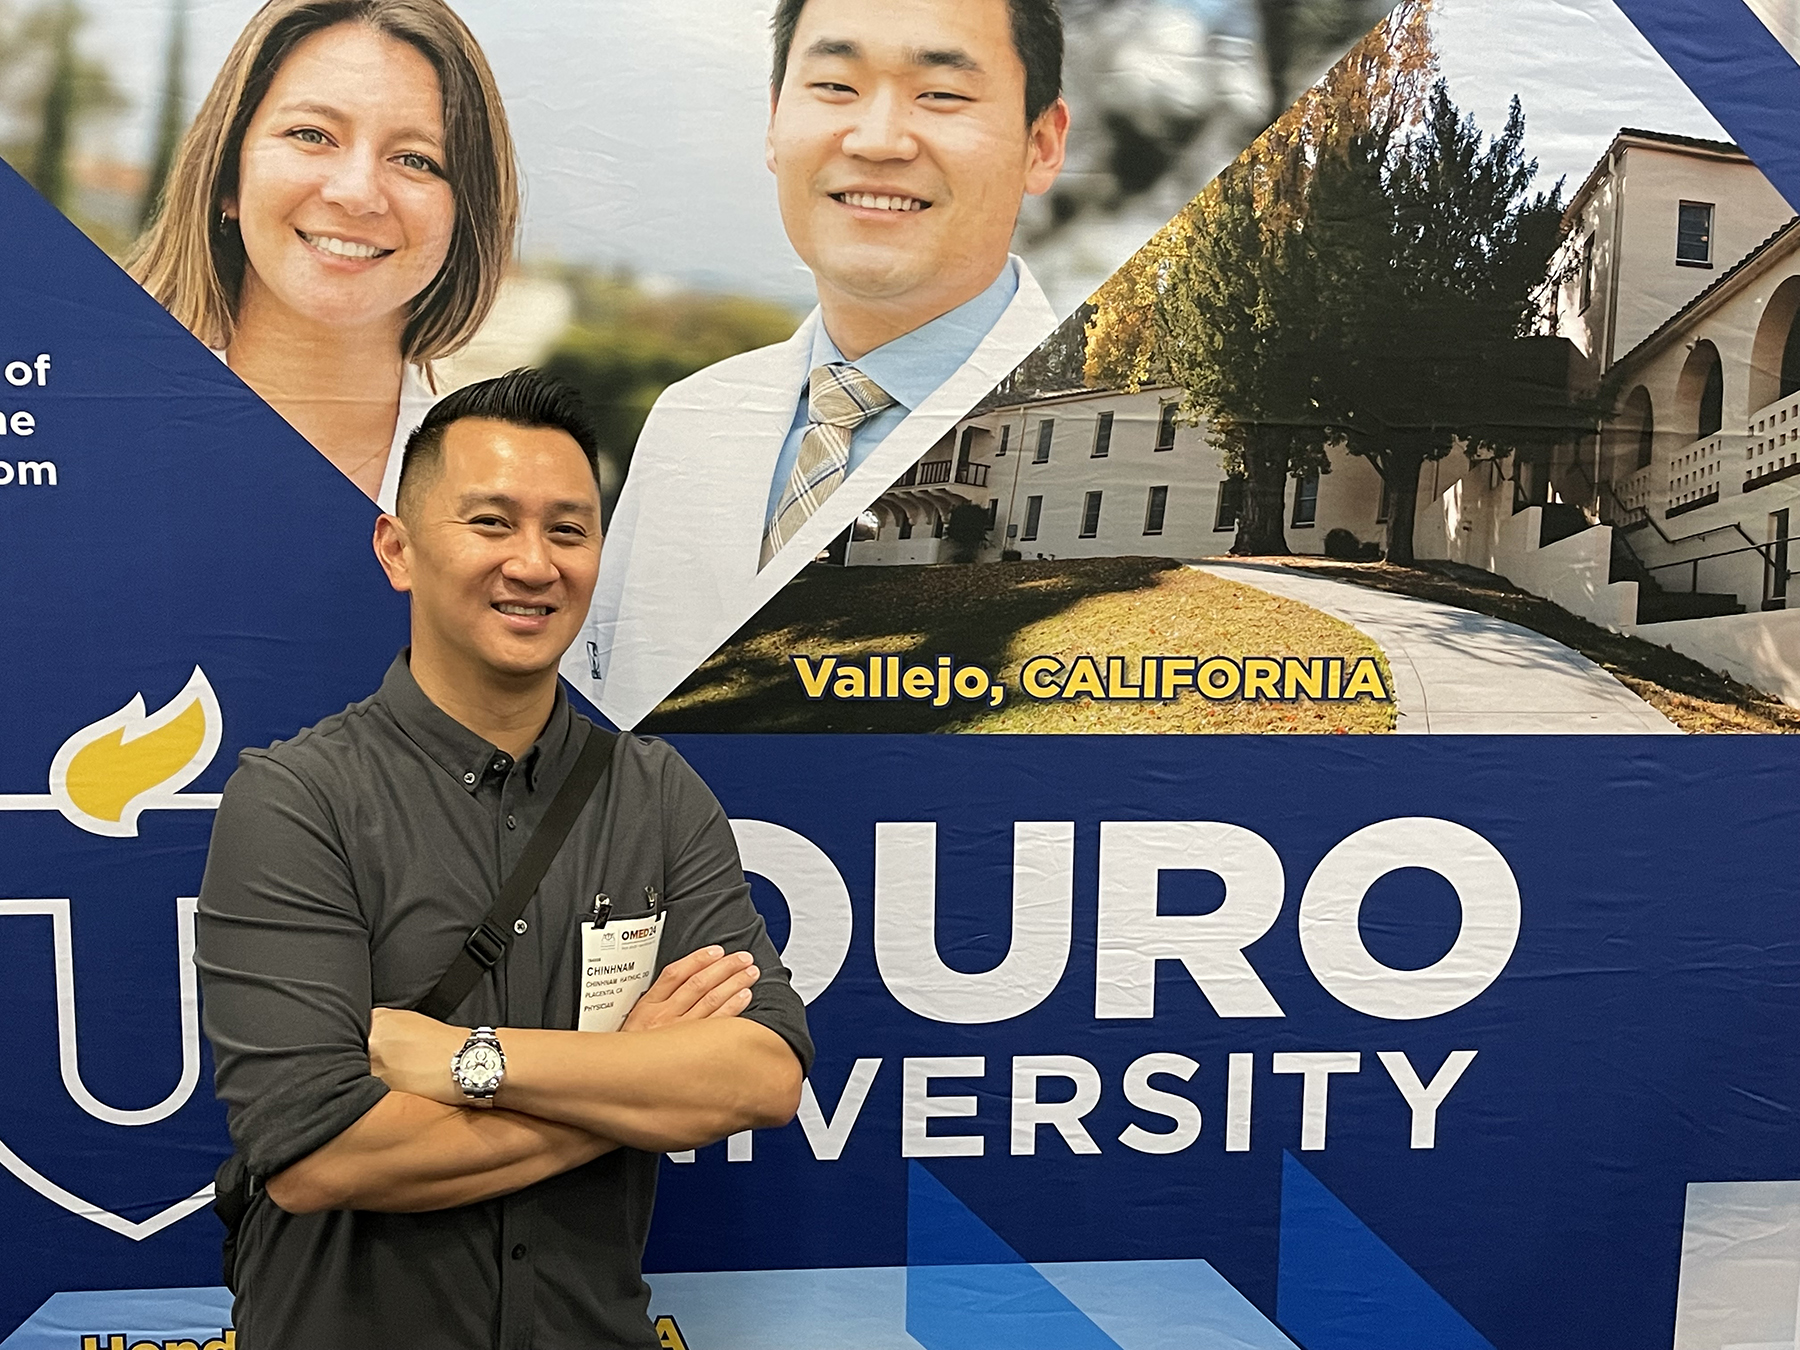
column 912, row 366
column 455, row 749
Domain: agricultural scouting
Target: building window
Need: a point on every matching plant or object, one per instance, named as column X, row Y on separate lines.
column 1587, row 273
column 1306, row 501
column 1090, row 516
column 1034, row 510
column 1386, row 508
column 1693, row 236
column 906, row 527
column 1005, row 439
column 1231, row 502
column 1646, row 444
column 1102, row 435
column 964, row 448
column 993, row 511
column 937, row 527
column 1046, row 429
column 1155, row 509
column 1165, row 427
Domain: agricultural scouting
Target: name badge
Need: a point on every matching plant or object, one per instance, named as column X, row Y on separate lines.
column 618, row 961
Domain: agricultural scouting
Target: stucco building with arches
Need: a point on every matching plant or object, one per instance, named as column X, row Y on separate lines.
column 1677, row 288
column 1672, row 510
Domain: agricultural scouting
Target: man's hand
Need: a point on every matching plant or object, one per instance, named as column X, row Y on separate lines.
column 702, row 984
column 411, row 1052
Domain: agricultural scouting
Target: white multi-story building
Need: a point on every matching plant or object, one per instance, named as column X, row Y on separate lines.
column 1097, row 473
column 1677, row 289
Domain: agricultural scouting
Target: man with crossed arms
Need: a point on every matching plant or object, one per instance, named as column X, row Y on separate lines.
column 398, row 1200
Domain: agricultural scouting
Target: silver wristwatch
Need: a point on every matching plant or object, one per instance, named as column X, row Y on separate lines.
column 480, row 1066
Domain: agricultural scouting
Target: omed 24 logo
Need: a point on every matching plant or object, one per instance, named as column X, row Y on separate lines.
column 102, row 779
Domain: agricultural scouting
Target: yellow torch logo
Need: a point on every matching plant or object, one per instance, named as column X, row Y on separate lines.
column 133, row 761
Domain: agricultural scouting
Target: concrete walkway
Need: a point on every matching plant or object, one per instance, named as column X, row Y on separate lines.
column 1457, row 672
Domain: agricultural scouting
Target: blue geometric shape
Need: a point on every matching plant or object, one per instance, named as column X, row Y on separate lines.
column 978, row 1294
column 942, row 1231
column 1342, row 1288
column 1164, row 1305
column 138, row 1315
column 1734, row 65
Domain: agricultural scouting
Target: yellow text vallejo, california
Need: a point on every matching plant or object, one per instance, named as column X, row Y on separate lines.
column 1102, row 679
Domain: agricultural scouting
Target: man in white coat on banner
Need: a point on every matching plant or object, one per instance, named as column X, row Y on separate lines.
column 903, row 136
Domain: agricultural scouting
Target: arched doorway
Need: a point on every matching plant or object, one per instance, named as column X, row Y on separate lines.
column 1775, row 354
column 1712, row 400
column 1700, row 392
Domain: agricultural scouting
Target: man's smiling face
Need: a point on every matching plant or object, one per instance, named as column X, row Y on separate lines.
column 502, row 548
column 901, row 152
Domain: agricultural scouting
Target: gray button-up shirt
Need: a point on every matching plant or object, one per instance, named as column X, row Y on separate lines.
column 347, row 867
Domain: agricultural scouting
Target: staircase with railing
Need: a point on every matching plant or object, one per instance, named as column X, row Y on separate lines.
column 1659, row 604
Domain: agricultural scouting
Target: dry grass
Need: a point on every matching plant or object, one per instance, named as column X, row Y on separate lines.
column 1694, row 697
column 998, row 615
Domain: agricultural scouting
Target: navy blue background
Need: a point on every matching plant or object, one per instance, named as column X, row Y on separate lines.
column 190, row 525
column 1641, row 1037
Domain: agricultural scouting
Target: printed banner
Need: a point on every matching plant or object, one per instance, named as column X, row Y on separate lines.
column 1283, row 369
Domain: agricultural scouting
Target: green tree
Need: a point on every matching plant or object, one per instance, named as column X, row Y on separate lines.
column 627, row 344
column 1224, row 301
column 1426, row 253
column 48, row 92
column 171, row 116
column 50, row 160
column 1239, row 326
column 967, row 531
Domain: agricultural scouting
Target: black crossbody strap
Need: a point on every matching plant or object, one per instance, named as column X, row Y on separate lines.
column 487, row 945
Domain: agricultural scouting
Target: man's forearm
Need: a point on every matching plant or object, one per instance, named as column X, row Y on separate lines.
column 676, row 1087
column 408, row 1154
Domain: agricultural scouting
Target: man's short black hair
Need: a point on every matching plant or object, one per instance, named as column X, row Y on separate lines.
column 520, row 398
column 1037, row 34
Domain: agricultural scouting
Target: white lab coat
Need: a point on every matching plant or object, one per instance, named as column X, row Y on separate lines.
column 678, row 571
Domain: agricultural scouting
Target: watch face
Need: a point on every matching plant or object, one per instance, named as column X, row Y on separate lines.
column 478, row 1065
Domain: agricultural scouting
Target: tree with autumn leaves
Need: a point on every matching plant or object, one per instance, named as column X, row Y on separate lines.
column 1360, row 277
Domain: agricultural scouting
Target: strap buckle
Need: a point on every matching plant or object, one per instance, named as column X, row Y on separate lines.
column 485, row 945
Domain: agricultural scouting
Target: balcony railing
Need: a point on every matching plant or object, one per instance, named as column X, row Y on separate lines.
column 1696, row 473
column 934, row 471
column 1772, row 448
column 1633, row 493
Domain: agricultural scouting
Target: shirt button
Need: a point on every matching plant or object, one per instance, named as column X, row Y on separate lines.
column 519, row 1252
column 519, row 927
column 501, row 764
column 512, row 823
column 469, row 778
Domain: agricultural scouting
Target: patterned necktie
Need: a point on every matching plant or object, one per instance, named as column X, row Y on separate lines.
column 840, row 399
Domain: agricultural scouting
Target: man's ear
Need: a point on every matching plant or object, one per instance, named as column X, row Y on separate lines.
column 1048, row 145
column 769, row 135
column 393, row 551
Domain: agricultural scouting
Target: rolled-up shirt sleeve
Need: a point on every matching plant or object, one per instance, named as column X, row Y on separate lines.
column 282, row 948
column 709, row 902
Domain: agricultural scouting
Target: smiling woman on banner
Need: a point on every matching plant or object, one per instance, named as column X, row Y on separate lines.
column 339, row 216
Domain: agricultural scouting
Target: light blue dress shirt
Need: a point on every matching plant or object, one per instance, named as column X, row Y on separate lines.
column 909, row 369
